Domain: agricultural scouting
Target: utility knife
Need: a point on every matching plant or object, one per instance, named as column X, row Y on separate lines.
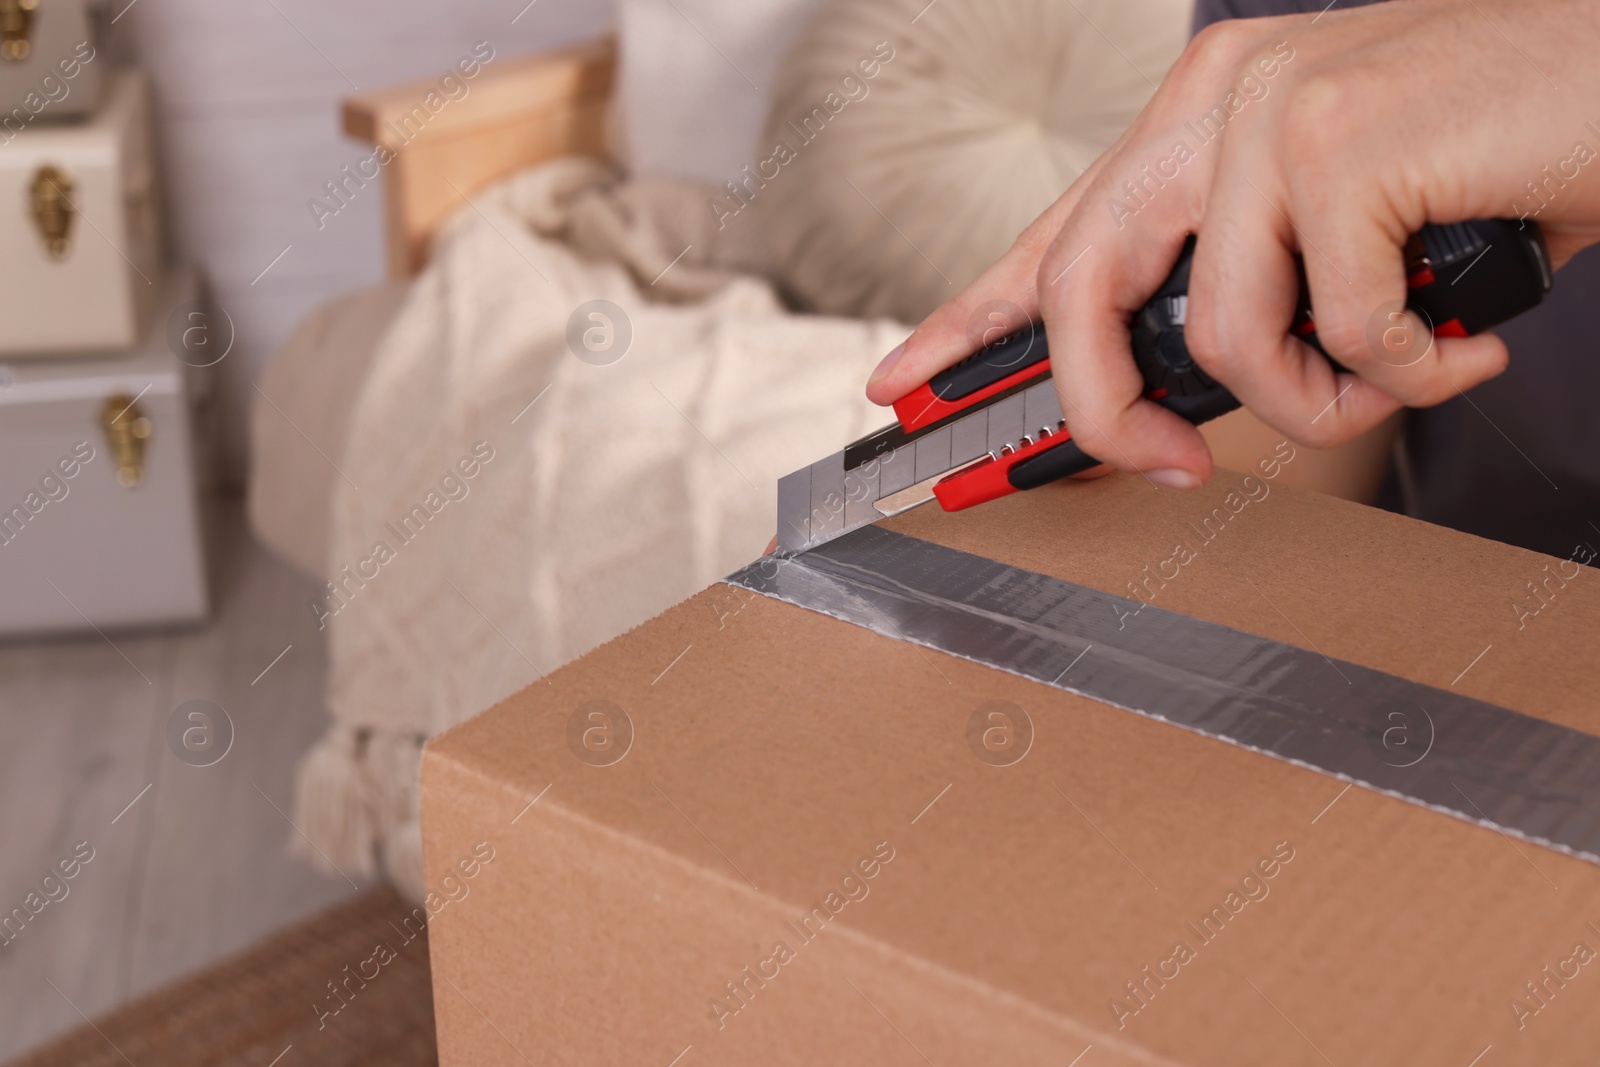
column 992, row 424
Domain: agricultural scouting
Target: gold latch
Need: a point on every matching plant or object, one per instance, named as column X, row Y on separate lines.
column 16, row 29
column 50, row 197
column 127, row 433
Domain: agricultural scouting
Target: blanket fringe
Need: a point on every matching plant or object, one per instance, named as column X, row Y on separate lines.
column 333, row 802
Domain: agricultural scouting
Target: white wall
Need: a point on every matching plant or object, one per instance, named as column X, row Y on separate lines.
column 247, row 96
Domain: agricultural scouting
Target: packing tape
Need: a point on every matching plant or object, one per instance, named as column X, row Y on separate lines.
column 1465, row 757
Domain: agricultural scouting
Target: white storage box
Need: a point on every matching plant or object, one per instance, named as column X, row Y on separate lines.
column 99, row 517
column 51, row 67
column 80, row 245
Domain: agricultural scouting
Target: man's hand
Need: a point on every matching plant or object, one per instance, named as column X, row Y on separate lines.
column 1332, row 137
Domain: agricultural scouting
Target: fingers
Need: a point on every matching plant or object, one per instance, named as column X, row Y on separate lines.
column 1100, row 387
column 1269, row 201
column 1243, row 294
column 1356, row 273
column 1352, row 235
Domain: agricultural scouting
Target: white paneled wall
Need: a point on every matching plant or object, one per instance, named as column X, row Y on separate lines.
column 247, row 97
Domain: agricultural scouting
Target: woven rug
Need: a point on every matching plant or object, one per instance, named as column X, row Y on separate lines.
column 275, row 1005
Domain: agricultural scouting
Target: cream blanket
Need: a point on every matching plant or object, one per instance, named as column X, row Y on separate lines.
column 505, row 505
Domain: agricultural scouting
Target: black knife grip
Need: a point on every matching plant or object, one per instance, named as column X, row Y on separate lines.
column 992, row 363
column 1463, row 278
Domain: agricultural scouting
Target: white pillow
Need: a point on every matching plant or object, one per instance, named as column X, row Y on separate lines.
column 945, row 129
column 696, row 80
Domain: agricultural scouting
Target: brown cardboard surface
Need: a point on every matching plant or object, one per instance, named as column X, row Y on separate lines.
column 775, row 749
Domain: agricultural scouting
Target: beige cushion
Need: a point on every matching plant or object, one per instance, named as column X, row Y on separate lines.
column 301, row 416
column 924, row 173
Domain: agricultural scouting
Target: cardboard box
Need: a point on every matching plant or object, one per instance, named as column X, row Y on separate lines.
column 799, row 859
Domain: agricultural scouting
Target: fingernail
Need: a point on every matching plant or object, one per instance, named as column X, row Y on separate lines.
column 1173, row 478
column 886, row 364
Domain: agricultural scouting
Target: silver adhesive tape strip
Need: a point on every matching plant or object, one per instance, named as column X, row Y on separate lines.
column 1475, row 760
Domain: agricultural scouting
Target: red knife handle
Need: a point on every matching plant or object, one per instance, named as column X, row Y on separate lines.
column 1010, row 361
column 989, row 478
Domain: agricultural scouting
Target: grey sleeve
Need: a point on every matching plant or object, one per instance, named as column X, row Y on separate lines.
column 1208, row 11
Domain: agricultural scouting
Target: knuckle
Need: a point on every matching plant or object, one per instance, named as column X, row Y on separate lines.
column 1053, row 265
column 1209, row 61
column 1034, row 242
column 1318, row 117
column 941, row 318
column 1345, row 339
column 1219, row 47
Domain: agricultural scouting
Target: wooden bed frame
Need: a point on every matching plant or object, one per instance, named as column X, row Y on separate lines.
column 518, row 112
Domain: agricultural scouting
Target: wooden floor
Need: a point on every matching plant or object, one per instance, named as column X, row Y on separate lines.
column 189, row 863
